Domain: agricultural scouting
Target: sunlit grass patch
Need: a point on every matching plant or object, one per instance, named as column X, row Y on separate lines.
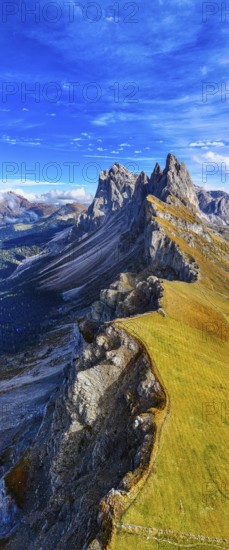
column 187, row 489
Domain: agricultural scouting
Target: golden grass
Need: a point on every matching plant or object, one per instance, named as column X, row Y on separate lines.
column 187, row 489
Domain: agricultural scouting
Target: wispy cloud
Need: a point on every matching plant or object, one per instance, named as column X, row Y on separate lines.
column 55, row 197
column 206, row 144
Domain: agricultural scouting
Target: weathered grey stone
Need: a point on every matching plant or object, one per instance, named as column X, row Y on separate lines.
column 93, row 434
column 214, row 204
column 174, row 180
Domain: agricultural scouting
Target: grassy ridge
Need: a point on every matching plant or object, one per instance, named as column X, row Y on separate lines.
column 187, row 489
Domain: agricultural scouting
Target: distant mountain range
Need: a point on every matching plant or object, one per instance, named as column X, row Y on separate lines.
column 173, row 180
column 215, row 204
column 16, row 209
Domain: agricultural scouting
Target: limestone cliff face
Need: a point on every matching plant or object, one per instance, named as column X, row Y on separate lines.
column 174, row 180
column 98, row 431
column 130, row 295
column 163, row 254
column 115, row 189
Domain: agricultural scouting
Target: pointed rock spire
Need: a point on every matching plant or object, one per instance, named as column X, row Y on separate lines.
column 174, row 180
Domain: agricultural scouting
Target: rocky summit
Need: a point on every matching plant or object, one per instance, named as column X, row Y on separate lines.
column 174, row 180
column 108, row 299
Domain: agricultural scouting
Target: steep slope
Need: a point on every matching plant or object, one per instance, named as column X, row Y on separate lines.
column 184, row 501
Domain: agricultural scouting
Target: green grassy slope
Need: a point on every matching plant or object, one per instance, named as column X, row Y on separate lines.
column 185, row 501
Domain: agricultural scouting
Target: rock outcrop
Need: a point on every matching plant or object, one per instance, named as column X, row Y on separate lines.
column 175, row 181
column 163, row 254
column 115, row 189
column 132, row 294
column 96, row 436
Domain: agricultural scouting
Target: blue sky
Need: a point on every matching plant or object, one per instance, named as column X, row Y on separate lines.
column 129, row 87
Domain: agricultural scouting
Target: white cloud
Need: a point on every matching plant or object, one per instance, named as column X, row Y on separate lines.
column 137, row 152
column 207, row 144
column 76, row 144
column 125, row 145
column 213, row 187
column 22, row 141
column 61, row 196
column 8, row 139
column 215, row 167
column 56, row 196
column 215, row 157
column 204, row 70
column 107, row 156
column 103, row 120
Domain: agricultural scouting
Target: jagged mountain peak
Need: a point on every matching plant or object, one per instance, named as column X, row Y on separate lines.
column 141, row 186
column 157, row 174
column 115, row 189
column 173, row 180
column 118, row 167
column 171, row 162
column 117, row 173
column 157, row 169
column 119, row 187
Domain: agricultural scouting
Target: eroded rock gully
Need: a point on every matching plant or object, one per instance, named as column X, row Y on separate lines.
column 96, row 437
